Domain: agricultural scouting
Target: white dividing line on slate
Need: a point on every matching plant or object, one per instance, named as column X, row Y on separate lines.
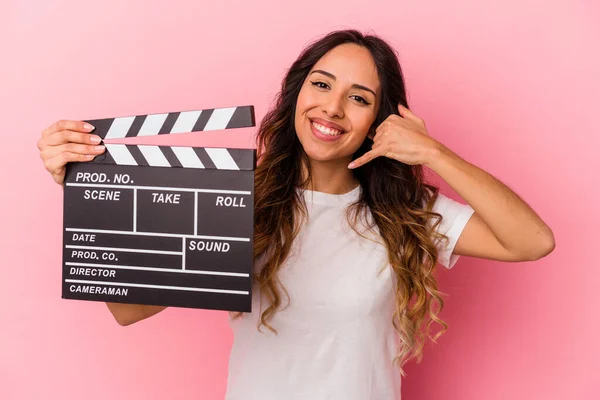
column 135, row 210
column 174, row 189
column 133, row 267
column 177, row 235
column 196, row 213
column 183, row 253
column 139, row 285
column 123, row 249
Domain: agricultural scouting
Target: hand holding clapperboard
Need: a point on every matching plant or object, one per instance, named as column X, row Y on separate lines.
column 162, row 225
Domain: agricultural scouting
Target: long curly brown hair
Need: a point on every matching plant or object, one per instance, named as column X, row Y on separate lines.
column 395, row 194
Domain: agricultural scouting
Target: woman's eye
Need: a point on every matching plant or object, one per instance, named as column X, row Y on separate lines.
column 321, row 85
column 361, row 100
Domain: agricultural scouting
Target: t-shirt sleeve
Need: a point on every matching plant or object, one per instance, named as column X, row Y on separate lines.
column 455, row 216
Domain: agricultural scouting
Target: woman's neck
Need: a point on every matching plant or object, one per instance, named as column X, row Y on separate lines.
column 331, row 177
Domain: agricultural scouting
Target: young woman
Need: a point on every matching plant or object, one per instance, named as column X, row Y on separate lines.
column 347, row 233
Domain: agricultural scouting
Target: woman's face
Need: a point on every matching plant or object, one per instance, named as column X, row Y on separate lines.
column 338, row 103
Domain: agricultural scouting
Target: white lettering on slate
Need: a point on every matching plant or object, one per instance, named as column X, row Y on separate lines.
column 98, row 290
column 102, row 194
column 202, row 245
column 84, row 237
column 165, row 198
column 95, row 177
column 229, row 201
column 122, row 178
column 88, row 255
column 107, row 273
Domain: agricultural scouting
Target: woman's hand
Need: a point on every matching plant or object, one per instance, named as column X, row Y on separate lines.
column 401, row 137
column 67, row 141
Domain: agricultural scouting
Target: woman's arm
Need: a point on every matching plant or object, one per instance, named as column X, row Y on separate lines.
column 127, row 314
column 503, row 226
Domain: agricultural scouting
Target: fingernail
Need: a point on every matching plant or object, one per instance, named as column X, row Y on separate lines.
column 351, row 165
column 95, row 139
column 89, row 156
column 88, row 126
column 98, row 148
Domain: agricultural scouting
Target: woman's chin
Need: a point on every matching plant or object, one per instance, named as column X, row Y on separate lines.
column 319, row 153
column 325, row 158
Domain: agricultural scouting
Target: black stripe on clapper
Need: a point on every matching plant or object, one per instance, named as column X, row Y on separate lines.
column 202, row 120
column 244, row 158
column 137, row 155
column 170, row 156
column 102, row 126
column 242, row 117
column 204, row 158
column 168, row 124
column 135, row 127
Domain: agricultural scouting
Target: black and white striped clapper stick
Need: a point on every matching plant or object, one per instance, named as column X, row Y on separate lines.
column 162, row 225
column 173, row 123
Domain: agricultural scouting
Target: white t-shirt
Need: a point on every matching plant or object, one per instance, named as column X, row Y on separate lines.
column 335, row 338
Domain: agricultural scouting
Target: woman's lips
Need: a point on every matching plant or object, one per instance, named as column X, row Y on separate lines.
column 328, row 124
column 323, row 136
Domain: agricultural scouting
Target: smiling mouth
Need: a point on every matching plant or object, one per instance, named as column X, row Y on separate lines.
column 325, row 130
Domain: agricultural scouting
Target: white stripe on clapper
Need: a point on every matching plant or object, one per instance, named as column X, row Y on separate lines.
column 222, row 158
column 152, row 124
column 187, row 157
column 219, row 119
column 119, row 127
column 186, row 121
column 120, row 154
column 154, row 156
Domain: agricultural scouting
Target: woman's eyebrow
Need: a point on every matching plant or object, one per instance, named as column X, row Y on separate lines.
column 332, row 76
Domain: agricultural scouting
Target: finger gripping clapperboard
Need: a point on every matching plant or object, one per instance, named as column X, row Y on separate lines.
column 162, row 225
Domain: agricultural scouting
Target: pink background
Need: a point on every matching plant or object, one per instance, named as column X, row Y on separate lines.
column 511, row 86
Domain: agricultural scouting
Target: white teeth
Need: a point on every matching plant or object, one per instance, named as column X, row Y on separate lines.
column 325, row 130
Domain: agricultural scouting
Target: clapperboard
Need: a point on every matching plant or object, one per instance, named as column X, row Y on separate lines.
column 162, row 225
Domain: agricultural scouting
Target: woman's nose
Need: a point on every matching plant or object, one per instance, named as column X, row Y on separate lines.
column 334, row 107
